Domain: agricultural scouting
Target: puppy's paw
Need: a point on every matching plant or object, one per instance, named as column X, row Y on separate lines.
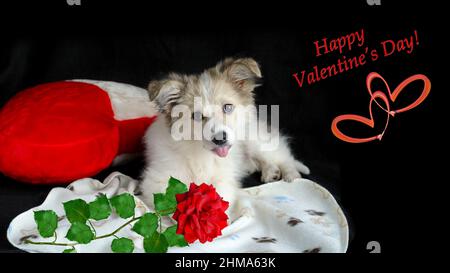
column 270, row 173
column 291, row 175
column 302, row 167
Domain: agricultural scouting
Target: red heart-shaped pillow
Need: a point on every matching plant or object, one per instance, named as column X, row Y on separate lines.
column 59, row 132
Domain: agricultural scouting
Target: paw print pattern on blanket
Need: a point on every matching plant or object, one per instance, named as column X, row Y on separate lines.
column 313, row 250
column 294, row 221
column 319, row 219
column 315, row 213
column 265, row 240
column 283, row 199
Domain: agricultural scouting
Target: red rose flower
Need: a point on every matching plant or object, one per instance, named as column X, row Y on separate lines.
column 200, row 213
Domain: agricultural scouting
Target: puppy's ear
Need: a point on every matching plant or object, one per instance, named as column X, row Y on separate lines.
column 243, row 73
column 165, row 92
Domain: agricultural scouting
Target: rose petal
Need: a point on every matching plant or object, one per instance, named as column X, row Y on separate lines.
column 201, row 213
column 181, row 197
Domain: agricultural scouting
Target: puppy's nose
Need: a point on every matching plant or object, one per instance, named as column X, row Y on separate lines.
column 220, row 138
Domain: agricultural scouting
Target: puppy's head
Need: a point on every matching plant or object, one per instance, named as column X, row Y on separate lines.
column 203, row 107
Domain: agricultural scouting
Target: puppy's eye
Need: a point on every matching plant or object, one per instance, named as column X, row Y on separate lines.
column 228, row 108
column 197, row 116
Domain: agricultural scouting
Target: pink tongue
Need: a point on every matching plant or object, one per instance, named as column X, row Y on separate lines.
column 222, row 151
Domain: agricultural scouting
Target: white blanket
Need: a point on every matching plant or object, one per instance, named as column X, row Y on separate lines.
column 300, row 216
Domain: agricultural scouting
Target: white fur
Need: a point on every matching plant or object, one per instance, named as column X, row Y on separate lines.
column 190, row 162
column 199, row 161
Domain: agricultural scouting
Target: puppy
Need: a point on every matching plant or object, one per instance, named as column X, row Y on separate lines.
column 196, row 138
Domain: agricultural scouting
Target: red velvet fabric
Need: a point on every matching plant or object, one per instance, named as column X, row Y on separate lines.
column 63, row 131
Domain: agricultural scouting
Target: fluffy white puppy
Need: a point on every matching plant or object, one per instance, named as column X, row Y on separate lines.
column 205, row 132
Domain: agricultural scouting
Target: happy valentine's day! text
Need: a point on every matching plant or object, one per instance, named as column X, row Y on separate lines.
column 346, row 44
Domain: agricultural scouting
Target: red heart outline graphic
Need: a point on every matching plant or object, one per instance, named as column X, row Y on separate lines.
column 393, row 95
column 369, row 122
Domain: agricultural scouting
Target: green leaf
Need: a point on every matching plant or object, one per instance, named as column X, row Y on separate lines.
column 124, row 205
column 47, row 222
column 77, row 211
column 80, row 232
column 173, row 238
column 100, row 209
column 157, row 243
column 175, row 187
column 164, row 204
column 122, row 245
column 69, row 250
column 147, row 225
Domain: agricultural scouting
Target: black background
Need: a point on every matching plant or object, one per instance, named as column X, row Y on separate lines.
column 382, row 186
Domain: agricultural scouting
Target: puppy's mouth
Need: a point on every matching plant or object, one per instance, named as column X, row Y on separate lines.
column 222, row 151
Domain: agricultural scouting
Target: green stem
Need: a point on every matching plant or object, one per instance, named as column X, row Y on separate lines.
column 95, row 238
column 118, row 229
column 50, row 243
